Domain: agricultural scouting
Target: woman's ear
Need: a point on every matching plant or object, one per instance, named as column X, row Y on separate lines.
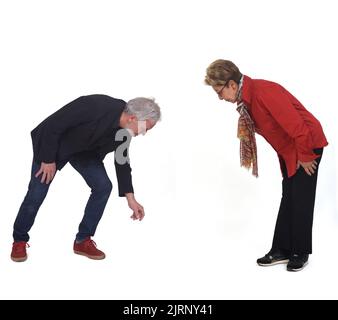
column 233, row 84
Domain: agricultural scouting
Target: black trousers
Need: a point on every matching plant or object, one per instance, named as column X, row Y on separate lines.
column 293, row 232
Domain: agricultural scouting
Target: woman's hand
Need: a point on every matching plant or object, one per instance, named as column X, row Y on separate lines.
column 309, row 167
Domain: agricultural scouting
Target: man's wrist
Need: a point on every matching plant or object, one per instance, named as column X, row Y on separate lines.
column 130, row 196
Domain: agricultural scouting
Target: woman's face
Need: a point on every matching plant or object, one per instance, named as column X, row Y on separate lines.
column 227, row 92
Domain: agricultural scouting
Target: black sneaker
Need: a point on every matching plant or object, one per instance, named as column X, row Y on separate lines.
column 297, row 262
column 272, row 258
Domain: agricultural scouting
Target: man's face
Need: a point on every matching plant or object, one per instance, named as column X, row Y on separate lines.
column 139, row 126
column 227, row 92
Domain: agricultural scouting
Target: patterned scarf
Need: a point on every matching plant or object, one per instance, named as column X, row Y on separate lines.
column 246, row 135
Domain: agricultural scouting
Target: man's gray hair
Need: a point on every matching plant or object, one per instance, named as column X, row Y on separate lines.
column 144, row 109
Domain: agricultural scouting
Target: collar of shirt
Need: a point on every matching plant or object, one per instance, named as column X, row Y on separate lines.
column 247, row 90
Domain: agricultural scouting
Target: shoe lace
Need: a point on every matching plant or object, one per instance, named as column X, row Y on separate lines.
column 297, row 258
column 20, row 246
column 269, row 255
column 91, row 243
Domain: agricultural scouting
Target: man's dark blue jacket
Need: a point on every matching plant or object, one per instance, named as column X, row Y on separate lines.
column 85, row 127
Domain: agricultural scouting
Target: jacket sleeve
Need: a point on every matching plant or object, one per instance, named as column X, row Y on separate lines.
column 124, row 179
column 71, row 115
column 278, row 104
column 122, row 164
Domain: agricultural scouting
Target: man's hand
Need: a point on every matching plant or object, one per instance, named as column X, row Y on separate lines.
column 138, row 211
column 48, row 172
column 309, row 167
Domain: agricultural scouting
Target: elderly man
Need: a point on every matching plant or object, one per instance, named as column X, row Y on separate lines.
column 82, row 133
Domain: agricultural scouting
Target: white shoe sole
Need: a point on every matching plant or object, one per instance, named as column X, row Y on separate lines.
column 296, row 270
column 274, row 263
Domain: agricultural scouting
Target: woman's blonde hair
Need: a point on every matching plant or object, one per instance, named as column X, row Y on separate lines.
column 220, row 72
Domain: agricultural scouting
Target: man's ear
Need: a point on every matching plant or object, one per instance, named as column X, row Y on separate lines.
column 132, row 118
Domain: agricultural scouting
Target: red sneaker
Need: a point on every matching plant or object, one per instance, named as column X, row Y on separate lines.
column 88, row 249
column 19, row 253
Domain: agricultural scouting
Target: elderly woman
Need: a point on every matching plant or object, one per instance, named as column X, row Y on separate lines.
column 296, row 135
column 82, row 133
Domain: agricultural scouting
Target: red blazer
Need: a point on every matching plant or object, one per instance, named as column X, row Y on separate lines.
column 283, row 121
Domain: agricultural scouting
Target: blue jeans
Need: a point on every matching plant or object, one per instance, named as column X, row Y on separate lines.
column 95, row 175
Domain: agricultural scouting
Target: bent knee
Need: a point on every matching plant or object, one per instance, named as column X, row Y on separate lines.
column 103, row 186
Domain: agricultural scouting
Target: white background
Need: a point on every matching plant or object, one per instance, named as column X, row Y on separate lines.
column 207, row 219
